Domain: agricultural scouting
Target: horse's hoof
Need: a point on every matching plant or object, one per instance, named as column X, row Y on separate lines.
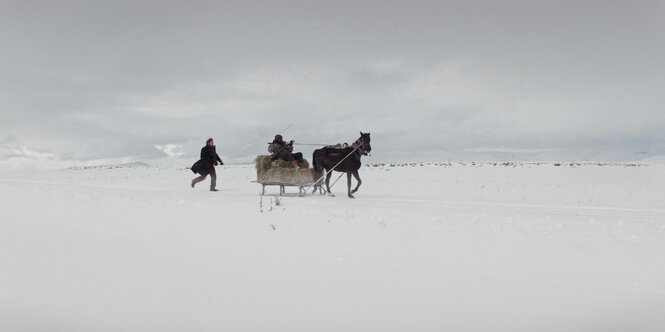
column 351, row 196
column 353, row 191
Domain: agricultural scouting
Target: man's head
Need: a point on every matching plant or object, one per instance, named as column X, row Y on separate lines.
column 278, row 138
column 210, row 142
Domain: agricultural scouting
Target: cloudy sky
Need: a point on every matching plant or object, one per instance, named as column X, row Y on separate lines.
column 100, row 81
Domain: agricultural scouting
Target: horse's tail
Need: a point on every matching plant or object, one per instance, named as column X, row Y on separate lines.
column 314, row 165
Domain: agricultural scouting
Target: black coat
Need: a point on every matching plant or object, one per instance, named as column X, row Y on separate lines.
column 209, row 159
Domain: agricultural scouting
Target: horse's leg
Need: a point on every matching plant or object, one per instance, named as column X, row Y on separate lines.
column 316, row 183
column 357, row 176
column 322, row 172
column 348, row 183
column 328, row 183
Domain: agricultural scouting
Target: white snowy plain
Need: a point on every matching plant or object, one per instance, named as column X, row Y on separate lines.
column 423, row 247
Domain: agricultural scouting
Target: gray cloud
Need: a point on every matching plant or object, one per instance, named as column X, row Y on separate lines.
column 97, row 80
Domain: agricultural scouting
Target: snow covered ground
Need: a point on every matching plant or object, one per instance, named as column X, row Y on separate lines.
column 431, row 247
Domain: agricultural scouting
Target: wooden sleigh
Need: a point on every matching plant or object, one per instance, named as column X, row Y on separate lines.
column 280, row 173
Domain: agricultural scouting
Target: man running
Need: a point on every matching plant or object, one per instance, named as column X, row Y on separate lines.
column 206, row 165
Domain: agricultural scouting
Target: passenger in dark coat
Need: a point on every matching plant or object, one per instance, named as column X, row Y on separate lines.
column 282, row 150
column 206, row 165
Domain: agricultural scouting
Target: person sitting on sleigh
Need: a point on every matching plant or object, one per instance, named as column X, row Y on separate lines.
column 284, row 151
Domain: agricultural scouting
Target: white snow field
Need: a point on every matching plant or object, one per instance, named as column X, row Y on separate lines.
column 431, row 247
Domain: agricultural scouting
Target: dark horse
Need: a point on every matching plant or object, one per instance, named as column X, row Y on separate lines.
column 341, row 160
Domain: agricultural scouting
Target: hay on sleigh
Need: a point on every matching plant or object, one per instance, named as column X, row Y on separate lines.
column 292, row 176
column 279, row 171
column 278, row 163
column 264, row 163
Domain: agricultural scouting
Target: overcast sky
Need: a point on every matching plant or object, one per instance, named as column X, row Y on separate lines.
column 93, row 81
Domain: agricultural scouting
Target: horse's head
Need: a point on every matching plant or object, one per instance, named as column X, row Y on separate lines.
column 363, row 143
